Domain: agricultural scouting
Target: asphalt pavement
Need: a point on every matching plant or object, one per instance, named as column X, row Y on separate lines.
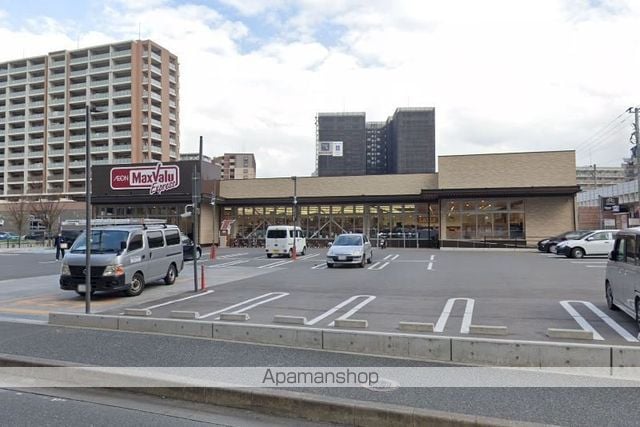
column 563, row 406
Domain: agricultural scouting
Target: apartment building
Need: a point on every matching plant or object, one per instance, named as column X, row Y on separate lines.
column 131, row 90
column 236, row 165
column 590, row 177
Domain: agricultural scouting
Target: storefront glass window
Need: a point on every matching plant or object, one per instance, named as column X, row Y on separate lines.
column 485, row 219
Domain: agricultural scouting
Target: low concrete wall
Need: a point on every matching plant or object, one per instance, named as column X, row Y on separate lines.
column 474, row 351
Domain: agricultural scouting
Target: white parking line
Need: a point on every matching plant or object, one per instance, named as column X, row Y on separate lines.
column 49, row 262
column 319, row 267
column 446, row 311
column 368, row 299
column 303, row 257
column 432, row 258
column 229, row 264
column 596, row 266
column 275, row 264
column 243, row 303
column 378, row 266
column 430, row 266
column 233, row 255
column 589, row 262
column 587, row 326
column 178, row 300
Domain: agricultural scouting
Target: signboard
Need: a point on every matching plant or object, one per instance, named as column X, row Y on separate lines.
column 610, row 204
column 330, row 148
column 609, row 222
column 156, row 178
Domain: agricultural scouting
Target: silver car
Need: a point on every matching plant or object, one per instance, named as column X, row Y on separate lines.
column 352, row 248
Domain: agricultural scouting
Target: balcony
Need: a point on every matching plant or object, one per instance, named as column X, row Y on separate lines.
column 99, row 70
column 121, row 134
column 16, row 82
column 36, row 141
column 122, row 93
column 15, row 168
column 56, row 89
column 97, row 136
column 36, row 91
column 82, row 98
column 77, row 125
column 100, row 162
column 121, row 66
column 98, row 83
column 121, row 160
column 56, row 165
column 36, row 129
column 36, row 79
column 56, row 76
column 15, row 179
column 36, row 116
column 19, row 94
column 55, row 178
column 56, row 114
column 100, row 149
column 36, row 104
column 122, row 120
column 79, row 60
column 56, row 101
column 77, row 138
column 13, row 107
column 19, row 155
column 78, row 73
column 77, row 177
column 122, row 80
column 172, row 66
column 122, row 147
column 77, row 164
column 16, row 131
column 33, row 154
column 157, row 150
column 55, row 139
column 104, row 95
column 56, row 126
column 97, row 123
column 78, row 86
column 81, row 150
column 56, row 152
column 120, row 107
column 119, row 53
column 77, row 112
column 100, row 56
column 16, row 119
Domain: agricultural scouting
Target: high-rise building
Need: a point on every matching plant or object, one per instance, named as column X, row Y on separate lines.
column 236, row 165
column 349, row 128
column 404, row 143
column 132, row 91
column 588, row 177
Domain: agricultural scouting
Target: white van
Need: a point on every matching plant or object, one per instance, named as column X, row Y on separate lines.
column 124, row 258
column 622, row 282
column 279, row 241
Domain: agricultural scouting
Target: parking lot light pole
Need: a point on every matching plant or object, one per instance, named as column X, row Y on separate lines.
column 87, row 184
column 295, row 217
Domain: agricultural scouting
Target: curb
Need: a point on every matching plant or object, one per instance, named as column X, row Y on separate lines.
column 292, row 404
column 423, row 347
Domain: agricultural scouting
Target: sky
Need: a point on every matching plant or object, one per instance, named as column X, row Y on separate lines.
column 503, row 75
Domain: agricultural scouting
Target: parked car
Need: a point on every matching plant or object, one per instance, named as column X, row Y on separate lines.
column 350, row 249
column 187, row 248
column 37, row 235
column 622, row 279
column 8, row 236
column 124, row 258
column 598, row 242
column 549, row 245
column 279, row 241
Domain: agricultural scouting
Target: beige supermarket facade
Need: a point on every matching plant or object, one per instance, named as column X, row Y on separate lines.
column 508, row 199
column 493, row 200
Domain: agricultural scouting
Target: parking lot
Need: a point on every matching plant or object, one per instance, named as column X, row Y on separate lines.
column 526, row 291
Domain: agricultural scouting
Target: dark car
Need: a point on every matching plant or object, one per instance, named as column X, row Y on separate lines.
column 549, row 245
column 187, row 248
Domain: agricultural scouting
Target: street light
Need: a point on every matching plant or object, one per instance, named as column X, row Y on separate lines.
column 295, row 217
column 87, row 187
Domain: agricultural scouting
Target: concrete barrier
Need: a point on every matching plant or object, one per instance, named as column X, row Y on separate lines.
column 366, row 342
column 571, row 334
column 625, row 357
column 351, row 324
column 415, row 327
column 142, row 312
column 167, row 326
column 234, row 317
column 269, row 334
column 528, row 353
column 429, row 348
column 189, row 315
column 84, row 320
column 488, row 330
column 291, row 320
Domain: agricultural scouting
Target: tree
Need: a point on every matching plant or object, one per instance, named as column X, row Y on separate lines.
column 19, row 214
column 48, row 212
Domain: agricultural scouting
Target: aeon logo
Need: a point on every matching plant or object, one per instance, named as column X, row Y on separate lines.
column 157, row 178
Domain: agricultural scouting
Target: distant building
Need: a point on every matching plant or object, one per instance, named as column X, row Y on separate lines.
column 236, row 165
column 603, row 176
column 404, row 143
column 195, row 156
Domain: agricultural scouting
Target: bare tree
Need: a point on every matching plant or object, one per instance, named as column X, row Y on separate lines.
column 19, row 214
column 48, row 212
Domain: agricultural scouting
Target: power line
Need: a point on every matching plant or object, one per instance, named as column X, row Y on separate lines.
column 588, row 140
column 603, row 134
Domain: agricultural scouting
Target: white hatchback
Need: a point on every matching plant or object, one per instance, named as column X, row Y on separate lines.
column 352, row 248
column 598, row 242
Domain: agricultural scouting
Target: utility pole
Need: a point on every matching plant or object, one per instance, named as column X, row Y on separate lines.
column 595, row 187
column 636, row 134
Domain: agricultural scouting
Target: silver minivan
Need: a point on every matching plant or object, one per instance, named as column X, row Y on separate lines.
column 622, row 282
column 124, row 258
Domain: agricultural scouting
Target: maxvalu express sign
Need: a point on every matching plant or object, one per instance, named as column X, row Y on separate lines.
column 156, row 178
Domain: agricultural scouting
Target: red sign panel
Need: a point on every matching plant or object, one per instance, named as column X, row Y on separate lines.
column 156, row 178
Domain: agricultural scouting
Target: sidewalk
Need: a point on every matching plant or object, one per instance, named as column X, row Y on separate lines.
column 24, row 248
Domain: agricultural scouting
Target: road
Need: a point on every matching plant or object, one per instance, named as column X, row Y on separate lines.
column 562, row 405
column 527, row 292
column 83, row 407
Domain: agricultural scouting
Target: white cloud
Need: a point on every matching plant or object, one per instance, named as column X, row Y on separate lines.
column 502, row 75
